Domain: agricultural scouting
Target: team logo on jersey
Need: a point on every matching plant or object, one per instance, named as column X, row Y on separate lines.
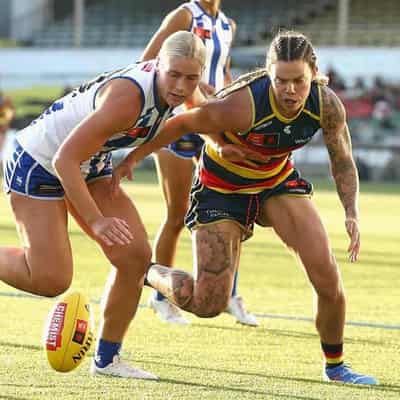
column 256, row 138
column 271, row 140
column 202, row 33
column 139, row 132
column 262, row 139
column 287, row 129
column 147, row 67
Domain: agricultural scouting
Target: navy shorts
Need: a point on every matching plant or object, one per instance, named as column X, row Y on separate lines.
column 208, row 206
column 187, row 146
column 24, row 175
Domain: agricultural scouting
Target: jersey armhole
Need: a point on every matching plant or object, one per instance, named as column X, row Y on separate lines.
column 191, row 14
column 135, row 82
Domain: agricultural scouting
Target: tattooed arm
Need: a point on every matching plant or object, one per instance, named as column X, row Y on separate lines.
column 344, row 171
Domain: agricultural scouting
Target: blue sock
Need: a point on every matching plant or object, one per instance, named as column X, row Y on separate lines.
column 159, row 296
column 105, row 352
column 234, row 288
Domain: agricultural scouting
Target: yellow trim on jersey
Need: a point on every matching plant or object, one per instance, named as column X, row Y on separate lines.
column 312, row 115
column 278, row 115
column 253, row 111
column 320, row 104
column 264, row 120
column 243, row 171
column 254, row 190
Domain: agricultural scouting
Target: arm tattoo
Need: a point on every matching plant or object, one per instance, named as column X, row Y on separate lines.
column 338, row 142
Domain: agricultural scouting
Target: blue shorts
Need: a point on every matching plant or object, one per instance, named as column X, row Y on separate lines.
column 24, row 175
column 208, row 206
column 187, row 146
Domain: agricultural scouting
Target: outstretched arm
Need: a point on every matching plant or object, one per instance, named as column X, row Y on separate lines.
column 117, row 108
column 344, row 171
column 232, row 113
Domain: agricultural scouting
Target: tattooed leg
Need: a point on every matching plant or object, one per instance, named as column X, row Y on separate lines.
column 216, row 255
column 176, row 285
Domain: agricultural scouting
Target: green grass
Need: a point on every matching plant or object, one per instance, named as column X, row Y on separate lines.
column 21, row 99
column 216, row 358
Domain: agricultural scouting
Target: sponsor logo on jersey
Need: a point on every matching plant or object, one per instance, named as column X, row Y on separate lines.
column 271, row 140
column 139, row 132
column 268, row 123
column 256, row 138
column 147, row 67
column 202, row 33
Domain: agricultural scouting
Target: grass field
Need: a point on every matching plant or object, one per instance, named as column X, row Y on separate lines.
column 216, row 358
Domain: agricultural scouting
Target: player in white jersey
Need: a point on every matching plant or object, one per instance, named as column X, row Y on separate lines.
column 66, row 151
column 175, row 168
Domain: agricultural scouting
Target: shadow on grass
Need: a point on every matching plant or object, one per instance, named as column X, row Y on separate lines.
column 383, row 387
column 236, row 390
column 8, row 397
column 289, row 333
column 21, row 346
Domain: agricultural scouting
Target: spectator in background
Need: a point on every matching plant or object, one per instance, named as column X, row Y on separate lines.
column 336, row 82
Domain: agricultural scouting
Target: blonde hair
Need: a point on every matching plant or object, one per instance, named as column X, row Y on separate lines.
column 184, row 44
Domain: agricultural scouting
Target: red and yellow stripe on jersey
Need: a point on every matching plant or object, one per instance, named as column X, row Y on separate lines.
column 271, row 134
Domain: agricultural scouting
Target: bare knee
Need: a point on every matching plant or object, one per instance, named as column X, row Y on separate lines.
column 327, row 282
column 52, row 285
column 209, row 304
column 136, row 256
column 176, row 216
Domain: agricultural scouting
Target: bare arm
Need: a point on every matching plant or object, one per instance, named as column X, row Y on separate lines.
column 118, row 108
column 232, row 113
column 177, row 20
column 344, row 171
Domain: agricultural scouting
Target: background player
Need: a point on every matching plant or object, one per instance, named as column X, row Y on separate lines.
column 175, row 168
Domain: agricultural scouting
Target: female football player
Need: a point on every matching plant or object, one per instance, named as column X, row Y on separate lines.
column 273, row 112
column 174, row 164
column 67, row 152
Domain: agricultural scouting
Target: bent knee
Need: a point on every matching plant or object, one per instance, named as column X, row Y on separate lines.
column 136, row 255
column 52, row 286
column 210, row 309
column 331, row 292
column 176, row 220
column 208, row 312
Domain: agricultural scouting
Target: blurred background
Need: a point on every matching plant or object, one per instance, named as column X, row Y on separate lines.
column 49, row 46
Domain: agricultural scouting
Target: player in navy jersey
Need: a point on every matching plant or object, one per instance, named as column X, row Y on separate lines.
column 64, row 156
column 174, row 163
column 272, row 112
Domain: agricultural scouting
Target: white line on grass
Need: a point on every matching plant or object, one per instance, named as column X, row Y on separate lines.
column 374, row 325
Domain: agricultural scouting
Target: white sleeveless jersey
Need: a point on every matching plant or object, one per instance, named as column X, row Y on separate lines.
column 42, row 138
column 216, row 33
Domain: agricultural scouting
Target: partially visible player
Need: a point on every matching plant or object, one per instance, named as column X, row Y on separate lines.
column 174, row 164
column 7, row 113
column 67, row 152
column 273, row 112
